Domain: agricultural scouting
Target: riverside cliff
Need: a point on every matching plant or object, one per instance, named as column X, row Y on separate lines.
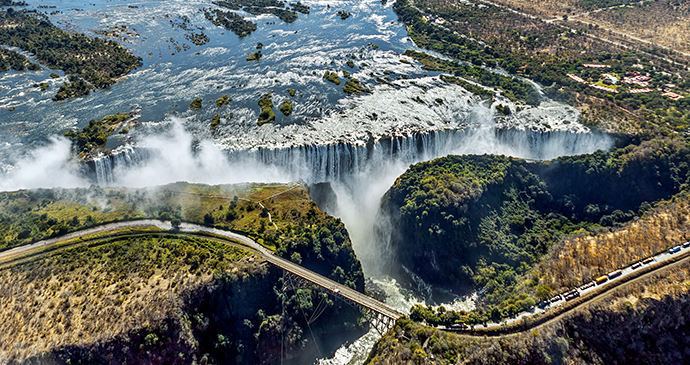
column 473, row 222
column 154, row 298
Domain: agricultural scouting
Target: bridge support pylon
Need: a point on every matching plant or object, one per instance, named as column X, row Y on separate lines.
column 379, row 321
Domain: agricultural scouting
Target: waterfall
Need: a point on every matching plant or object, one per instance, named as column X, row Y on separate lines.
column 336, row 162
column 105, row 166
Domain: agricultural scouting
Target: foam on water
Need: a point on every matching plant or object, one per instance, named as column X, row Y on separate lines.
column 359, row 143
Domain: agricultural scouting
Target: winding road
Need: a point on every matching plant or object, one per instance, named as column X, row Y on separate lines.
column 227, row 237
column 660, row 261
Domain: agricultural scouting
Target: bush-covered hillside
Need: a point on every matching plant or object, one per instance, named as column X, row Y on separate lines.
column 481, row 221
column 150, row 298
column 642, row 323
column 303, row 230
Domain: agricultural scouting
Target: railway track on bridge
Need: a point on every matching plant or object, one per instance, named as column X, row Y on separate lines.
column 379, row 314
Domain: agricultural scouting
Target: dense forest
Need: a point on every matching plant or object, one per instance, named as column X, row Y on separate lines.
column 483, row 221
column 191, row 296
column 97, row 61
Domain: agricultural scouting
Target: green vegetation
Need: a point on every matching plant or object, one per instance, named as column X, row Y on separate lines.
column 353, row 86
column 486, row 220
column 196, row 104
column 54, row 75
column 214, row 123
column 29, row 216
column 343, row 14
column 12, row 3
column 512, row 88
column 254, row 56
column 286, row 108
column 300, row 8
column 242, row 27
column 95, row 60
column 10, row 59
column 332, row 77
column 197, row 39
column 95, row 134
column 503, row 109
column 43, row 86
column 258, row 7
column 223, row 100
column 474, row 89
column 73, row 88
column 546, row 53
column 291, row 92
column 267, row 115
column 230, row 21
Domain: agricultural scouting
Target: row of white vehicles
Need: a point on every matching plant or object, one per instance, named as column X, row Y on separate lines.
column 572, row 294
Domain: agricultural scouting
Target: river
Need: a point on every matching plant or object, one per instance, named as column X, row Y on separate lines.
column 358, row 143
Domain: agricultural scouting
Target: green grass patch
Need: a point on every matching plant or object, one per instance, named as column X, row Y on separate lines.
column 267, row 115
column 286, row 108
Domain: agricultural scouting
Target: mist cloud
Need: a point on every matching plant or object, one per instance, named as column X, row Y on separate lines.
column 52, row 165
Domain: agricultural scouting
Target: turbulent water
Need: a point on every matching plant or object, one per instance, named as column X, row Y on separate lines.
column 358, row 143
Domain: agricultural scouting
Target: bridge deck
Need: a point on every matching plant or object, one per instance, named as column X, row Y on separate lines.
column 336, row 288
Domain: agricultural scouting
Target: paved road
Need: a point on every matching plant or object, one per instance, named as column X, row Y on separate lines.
column 598, row 11
column 336, row 288
column 659, row 258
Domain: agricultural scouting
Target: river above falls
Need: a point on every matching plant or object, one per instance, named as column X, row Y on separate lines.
column 295, row 57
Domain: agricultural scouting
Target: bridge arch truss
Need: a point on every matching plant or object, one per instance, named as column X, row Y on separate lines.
column 380, row 321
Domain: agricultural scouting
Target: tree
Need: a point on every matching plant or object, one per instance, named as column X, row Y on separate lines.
column 543, row 292
column 176, row 224
column 208, row 220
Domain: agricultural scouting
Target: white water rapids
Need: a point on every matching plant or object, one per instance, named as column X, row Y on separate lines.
column 360, row 144
column 359, row 175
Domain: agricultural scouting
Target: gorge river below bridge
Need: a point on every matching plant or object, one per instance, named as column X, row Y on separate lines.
column 360, row 144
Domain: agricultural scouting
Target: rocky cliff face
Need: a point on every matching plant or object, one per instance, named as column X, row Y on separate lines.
column 645, row 322
column 175, row 299
column 466, row 220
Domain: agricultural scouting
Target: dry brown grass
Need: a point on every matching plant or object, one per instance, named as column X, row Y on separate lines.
column 583, row 257
column 44, row 306
column 664, row 22
column 546, row 8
